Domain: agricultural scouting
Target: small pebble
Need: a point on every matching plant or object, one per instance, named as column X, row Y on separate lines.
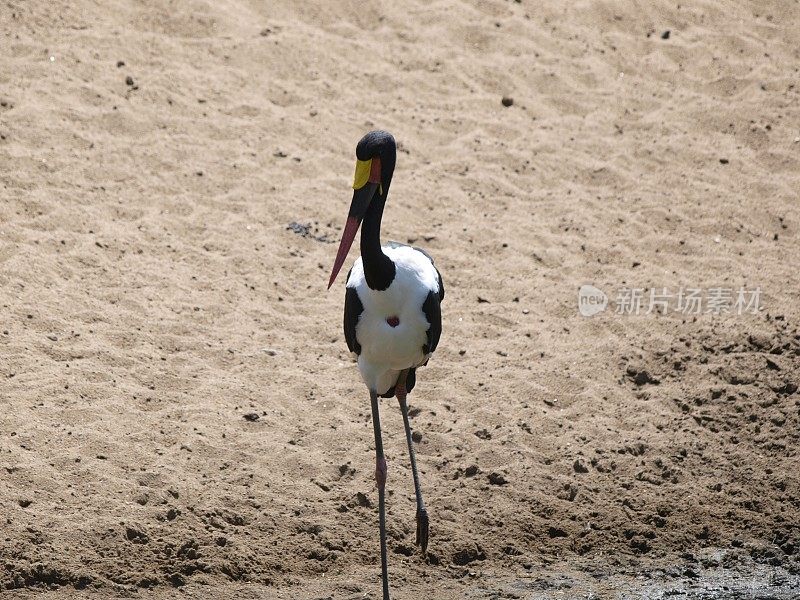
column 497, row 479
column 483, row 434
column 665, row 35
column 251, row 417
column 507, row 101
column 120, row 63
column 723, row 161
column 416, row 436
column 129, row 80
column 643, row 377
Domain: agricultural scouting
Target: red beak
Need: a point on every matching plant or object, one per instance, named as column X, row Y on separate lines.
column 358, row 208
column 348, row 235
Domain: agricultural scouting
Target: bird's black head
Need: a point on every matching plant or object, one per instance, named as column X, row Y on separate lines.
column 375, row 147
column 376, row 154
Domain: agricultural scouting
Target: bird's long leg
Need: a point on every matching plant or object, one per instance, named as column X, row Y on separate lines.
column 380, row 477
column 422, row 514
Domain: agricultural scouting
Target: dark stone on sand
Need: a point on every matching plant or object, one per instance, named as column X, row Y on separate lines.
column 129, row 80
column 640, row 377
column 665, row 35
column 580, row 466
column 787, row 388
column 497, row 479
column 555, row 532
column 467, row 555
column 251, row 417
column 507, row 101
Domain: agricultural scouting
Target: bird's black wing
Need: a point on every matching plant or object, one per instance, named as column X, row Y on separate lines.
column 433, row 312
column 352, row 312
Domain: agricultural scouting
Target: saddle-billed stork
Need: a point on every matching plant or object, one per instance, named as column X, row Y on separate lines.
column 392, row 314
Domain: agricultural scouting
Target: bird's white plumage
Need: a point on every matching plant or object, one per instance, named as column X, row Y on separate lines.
column 387, row 350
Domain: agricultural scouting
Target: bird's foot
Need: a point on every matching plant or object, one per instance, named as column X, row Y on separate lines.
column 380, row 472
column 422, row 529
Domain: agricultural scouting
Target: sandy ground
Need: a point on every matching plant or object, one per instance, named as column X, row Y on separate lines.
column 165, row 243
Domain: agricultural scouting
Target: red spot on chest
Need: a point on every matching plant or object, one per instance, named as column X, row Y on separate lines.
column 393, row 321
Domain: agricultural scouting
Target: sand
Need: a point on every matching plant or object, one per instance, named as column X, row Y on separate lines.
column 179, row 415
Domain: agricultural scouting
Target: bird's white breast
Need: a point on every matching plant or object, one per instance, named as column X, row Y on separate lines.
column 387, row 350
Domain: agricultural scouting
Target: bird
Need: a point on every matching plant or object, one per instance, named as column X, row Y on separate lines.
column 392, row 312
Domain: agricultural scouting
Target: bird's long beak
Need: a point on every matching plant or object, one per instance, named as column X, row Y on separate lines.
column 366, row 183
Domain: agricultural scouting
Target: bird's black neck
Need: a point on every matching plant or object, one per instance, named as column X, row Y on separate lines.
column 379, row 270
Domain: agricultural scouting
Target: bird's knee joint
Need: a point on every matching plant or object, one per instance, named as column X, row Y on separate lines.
column 381, row 470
